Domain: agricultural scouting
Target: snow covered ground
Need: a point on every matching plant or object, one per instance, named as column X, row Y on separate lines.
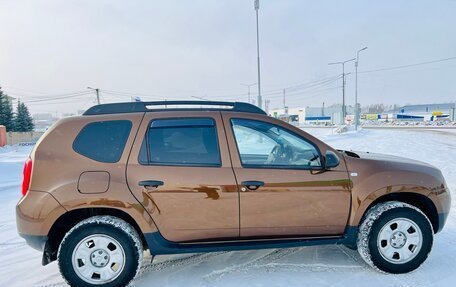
column 307, row 266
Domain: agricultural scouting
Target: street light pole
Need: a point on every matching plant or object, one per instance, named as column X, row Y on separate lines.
column 343, row 86
column 257, row 7
column 97, row 92
column 248, row 89
column 356, row 88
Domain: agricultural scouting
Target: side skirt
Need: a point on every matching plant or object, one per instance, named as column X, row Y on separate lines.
column 158, row 245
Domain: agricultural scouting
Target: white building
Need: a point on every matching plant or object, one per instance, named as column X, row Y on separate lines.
column 312, row 115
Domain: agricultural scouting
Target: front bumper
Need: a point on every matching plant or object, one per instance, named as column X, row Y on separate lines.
column 442, row 220
column 441, row 197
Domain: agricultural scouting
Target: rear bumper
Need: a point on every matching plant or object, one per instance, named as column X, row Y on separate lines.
column 37, row 242
column 36, row 213
column 40, row 243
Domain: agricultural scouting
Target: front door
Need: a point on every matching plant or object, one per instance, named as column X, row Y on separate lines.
column 283, row 190
column 180, row 170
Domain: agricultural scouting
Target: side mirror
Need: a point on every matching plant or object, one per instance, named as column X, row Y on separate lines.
column 331, row 160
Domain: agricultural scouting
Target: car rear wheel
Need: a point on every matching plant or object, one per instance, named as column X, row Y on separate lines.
column 100, row 251
column 395, row 237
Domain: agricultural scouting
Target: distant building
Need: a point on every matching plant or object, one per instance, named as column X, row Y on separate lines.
column 66, row 115
column 332, row 114
column 425, row 108
column 294, row 116
column 312, row 115
column 43, row 121
column 425, row 112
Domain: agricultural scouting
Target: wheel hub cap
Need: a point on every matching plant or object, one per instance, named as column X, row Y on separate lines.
column 99, row 258
column 398, row 239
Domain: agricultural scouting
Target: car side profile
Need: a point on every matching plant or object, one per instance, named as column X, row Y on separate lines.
column 191, row 176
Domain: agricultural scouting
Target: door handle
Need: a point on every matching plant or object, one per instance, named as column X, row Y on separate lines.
column 151, row 184
column 252, row 184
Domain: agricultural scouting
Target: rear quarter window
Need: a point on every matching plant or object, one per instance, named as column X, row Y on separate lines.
column 103, row 141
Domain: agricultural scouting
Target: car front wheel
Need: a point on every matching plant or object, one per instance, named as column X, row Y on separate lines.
column 395, row 237
column 100, row 251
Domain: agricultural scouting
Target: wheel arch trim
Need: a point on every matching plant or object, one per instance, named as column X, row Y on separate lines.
column 69, row 219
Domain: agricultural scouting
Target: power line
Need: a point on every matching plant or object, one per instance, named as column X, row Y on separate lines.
column 68, row 101
column 129, row 94
column 50, row 95
column 23, row 90
column 313, row 83
column 294, row 87
column 97, row 93
column 408, row 66
column 311, row 92
column 58, row 98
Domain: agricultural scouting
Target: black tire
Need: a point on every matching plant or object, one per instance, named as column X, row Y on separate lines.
column 384, row 215
column 106, row 227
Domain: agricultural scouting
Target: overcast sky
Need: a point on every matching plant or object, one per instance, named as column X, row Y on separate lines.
column 179, row 49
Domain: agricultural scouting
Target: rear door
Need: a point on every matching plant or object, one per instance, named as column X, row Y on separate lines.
column 180, row 170
column 283, row 191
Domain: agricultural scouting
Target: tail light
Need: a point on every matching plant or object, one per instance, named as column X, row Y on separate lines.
column 27, row 174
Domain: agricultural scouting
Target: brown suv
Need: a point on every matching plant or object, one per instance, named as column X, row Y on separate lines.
column 186, row 176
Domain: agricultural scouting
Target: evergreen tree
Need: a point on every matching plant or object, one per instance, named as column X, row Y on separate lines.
column 6, row 111
column 23, row 122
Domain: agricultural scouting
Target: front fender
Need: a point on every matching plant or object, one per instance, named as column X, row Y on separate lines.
column 373, row 179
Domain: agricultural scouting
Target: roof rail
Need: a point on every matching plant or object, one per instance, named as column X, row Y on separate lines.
column 133, row 107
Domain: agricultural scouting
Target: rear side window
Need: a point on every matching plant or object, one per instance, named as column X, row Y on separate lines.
column 103, row 141
column 191, row 142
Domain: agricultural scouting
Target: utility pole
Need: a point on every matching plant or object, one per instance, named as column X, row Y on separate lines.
column 248, row 89
column 257, row 7
column 356, row 89
column 323, row 110
column 284, row 99
column 97, row 92
column 454, row 115
column 266, row 106
column 344, row 111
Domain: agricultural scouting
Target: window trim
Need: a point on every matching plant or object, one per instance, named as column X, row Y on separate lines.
column 146, row 141
column 286, row 167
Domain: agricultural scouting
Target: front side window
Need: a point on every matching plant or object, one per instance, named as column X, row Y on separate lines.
column 191, row 141
column 262, row 144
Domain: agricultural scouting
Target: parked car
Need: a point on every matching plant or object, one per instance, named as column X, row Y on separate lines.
column 189, row 176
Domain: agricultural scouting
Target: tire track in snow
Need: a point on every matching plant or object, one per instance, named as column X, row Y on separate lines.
column 5, row 245
column 353, row 255
column 265, row 263
column 50, row 285
column 279, row 267
column 198, row 258
column 172, row 263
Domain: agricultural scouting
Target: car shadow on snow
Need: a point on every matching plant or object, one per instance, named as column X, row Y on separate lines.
column 212, row 267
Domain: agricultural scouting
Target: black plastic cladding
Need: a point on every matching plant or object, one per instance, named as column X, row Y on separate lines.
column 133, row 107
